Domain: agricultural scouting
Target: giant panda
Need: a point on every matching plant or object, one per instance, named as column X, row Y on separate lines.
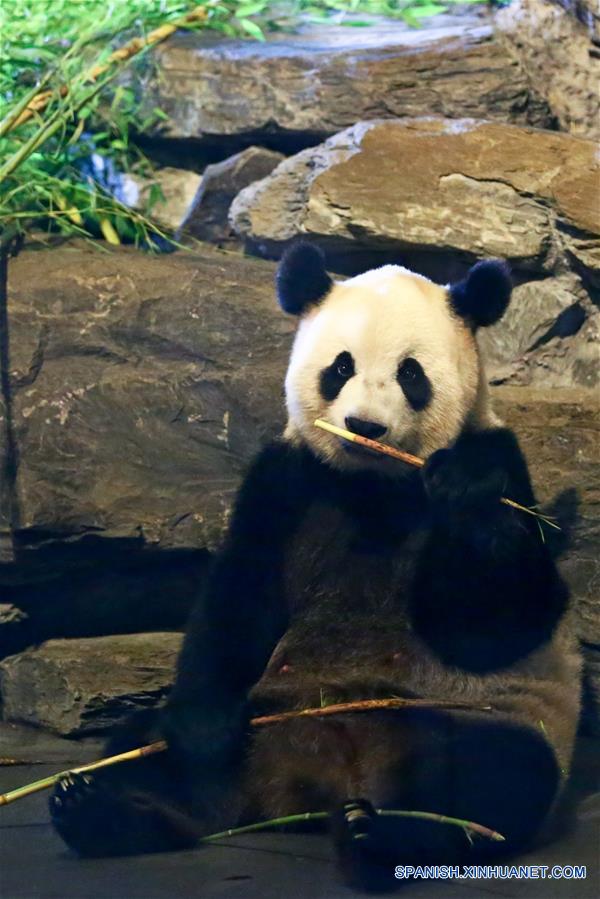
column 347, row 575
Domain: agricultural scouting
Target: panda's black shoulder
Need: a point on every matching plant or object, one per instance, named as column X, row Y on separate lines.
column 281, row 466
column 278, row 485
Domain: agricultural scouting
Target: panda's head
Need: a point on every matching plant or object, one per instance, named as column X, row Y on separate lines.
column 387, row 354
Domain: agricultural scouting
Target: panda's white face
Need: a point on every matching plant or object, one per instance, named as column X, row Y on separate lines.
column 383, row 355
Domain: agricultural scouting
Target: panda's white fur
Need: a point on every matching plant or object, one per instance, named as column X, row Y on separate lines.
column 378, row 317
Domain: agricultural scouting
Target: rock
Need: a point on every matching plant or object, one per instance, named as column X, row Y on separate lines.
column 476, row 188
column 531, row 316
column 76, row 687
column 562, row 360
column 207, row 216
column 548, row 336
column 10, row 615
column 557, row 43
column 177, row 189
column 142, row 386
column 559, row 431
column 307, row 86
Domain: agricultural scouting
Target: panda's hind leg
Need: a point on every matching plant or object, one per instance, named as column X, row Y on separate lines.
column 501, row 775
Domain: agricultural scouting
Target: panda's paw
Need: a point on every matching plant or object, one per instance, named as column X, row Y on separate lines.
column 96, row 818
column 80, row 811
column 461, row 479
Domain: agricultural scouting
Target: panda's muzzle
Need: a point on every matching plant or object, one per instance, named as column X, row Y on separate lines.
column 371, row 429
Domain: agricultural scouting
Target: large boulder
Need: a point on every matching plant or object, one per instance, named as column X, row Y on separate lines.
column 75, row 687
column 207, row 217
column 557, row 43
column 476, row 188
column 141, row 388
column 308, row 85
column 437, row 194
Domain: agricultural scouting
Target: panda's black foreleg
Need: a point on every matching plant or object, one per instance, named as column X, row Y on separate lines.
column 486, row 590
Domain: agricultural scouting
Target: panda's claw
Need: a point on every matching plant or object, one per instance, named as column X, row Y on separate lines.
column 72, row 790
column 358, row 816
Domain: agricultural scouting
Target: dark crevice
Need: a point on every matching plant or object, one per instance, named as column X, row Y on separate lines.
column 195, row 154
column 567, row 323
column 121, row 588
column 347, row 257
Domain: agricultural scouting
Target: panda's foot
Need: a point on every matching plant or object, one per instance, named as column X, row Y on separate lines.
column 96, row 817
column 355, row 830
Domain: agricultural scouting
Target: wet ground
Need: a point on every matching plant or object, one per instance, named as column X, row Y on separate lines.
column 34, row 864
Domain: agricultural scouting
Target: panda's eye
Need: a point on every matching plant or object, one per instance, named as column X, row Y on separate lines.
column 344, row 365
column 335, row 376
column 415, row 384
column 409, row 370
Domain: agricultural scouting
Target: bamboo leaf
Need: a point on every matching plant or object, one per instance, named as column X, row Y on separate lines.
column 252, row 29
column 108, row 232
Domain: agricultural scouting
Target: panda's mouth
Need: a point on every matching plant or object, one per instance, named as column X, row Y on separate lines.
column 355, row 449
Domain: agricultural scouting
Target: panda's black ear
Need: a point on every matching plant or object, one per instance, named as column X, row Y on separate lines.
column 301, row 278
column 482, row 297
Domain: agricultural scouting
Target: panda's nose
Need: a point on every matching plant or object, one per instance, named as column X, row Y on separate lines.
column 371, row 429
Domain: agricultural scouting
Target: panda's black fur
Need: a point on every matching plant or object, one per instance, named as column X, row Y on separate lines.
column 337, row 586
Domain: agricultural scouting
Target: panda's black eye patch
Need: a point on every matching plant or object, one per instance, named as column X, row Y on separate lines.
column 335, row 375
column 415, row 383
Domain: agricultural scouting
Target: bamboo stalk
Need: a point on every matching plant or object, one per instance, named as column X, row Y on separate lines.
column 396, row 813
column 160, row 746
column 123, row 54
column 370, row 444
column 265, row 825
column 381, row 448
column 47, row 782
column 10, row 119
column 365, row 705
column 445, row 819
